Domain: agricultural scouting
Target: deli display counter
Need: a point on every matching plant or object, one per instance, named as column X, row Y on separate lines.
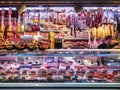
column 61, row 68
column 53, row 44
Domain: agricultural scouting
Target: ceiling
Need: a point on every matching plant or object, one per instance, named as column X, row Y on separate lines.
column 60, row 3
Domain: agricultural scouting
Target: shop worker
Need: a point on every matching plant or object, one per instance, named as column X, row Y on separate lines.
column 105, row 45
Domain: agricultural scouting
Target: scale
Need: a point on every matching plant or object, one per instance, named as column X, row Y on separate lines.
column 58, row 43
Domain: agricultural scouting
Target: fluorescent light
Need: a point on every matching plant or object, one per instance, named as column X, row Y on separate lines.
column 7, row 8
column 55, row 8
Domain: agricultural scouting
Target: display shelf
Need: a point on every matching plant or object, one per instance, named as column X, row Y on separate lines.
column 100, row 67
column 103, row 50
column 62, row 52
column 76, row 39
column 94, row 67
column 54, row 30
column 60, row 85
column 59, row 55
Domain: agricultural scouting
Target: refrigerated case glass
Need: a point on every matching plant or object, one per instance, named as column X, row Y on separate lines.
column 61, row 66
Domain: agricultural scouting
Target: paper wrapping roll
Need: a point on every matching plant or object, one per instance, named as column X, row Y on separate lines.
column 22, row 8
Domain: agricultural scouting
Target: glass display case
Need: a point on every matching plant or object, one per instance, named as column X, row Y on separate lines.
column 61, row 68
column 53, row 45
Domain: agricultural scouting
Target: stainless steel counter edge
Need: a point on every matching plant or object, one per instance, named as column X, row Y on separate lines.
column 116, row 85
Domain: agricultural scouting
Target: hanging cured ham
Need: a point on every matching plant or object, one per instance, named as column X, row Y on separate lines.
column 19, row 23
column 9, row 43
column 81, row 20
column 27, row 26
column 2, row 24
column 35, row 26
column 2, row 28
column 9, row 28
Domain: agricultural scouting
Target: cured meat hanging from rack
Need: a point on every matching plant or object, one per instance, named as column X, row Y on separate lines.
column 93, row 23
column 2, row 28
column 68, row 21
column 51, row 17
column 98, row 21
column 55, row 20
column 94, row 30
column 27, row 26
column 73, row 33
column 72, row 24
column 9, row 27
column 89, row 19
column 63, row 18
column 47, row 16
column 18, row 31
column 112, row 29
column 9, row 43
column 59, row 15
column 19, row 26
column 19, row 23
column 102, row 32
column 35, row 26
column 105, row 17
column 98, row 33
column 111, row 18
column 99, row 15
column 42, row 18
column 15, row 36
column 81, row 20
column 84, row 16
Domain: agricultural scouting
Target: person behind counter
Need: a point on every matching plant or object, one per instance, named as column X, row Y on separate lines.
column 104, row 45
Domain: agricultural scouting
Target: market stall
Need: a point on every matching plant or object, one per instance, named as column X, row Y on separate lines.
column 48, row 46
